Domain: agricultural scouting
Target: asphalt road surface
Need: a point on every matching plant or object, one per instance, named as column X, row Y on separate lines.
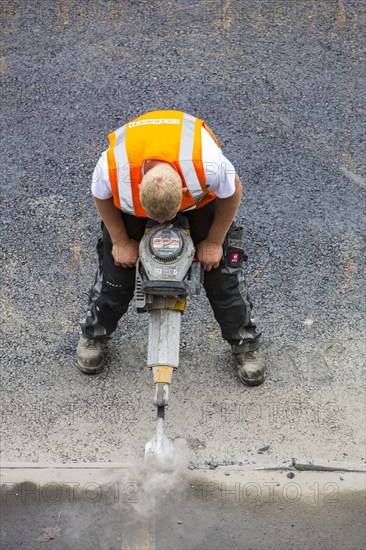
column 282, row 85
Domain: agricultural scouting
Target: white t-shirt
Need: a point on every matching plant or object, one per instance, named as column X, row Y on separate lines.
column 220, row 173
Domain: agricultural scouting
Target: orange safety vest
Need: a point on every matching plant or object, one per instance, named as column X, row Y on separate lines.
column 170, row 136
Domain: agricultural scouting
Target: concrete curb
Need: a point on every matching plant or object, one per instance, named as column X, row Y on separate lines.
column 346, row 477
column 319, row 465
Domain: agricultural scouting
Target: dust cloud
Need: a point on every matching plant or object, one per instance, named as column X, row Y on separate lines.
column 160, row 477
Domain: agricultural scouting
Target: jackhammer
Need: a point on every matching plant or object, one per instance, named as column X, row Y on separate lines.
column 166, row 274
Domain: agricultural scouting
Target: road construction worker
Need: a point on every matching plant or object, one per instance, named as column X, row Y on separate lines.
column 157, row 165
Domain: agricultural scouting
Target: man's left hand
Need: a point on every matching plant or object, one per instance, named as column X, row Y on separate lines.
column 209, row 254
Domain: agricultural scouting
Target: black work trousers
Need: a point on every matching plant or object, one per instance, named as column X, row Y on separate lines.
column 225, row 287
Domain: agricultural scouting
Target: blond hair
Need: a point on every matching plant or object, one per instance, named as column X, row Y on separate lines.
column 161, row 191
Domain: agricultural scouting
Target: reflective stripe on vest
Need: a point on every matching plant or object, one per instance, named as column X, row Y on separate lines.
column 123, row 172
column 185, row 158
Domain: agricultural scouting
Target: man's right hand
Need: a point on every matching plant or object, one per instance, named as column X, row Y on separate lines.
column 125, row 253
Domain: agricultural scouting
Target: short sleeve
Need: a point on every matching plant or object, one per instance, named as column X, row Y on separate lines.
column 220, row 173
column 101, row 187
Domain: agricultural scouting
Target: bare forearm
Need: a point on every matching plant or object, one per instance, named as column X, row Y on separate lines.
column 112, row 219
column 225, row 210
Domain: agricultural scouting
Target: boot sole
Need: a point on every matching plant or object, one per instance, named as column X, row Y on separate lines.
column 251, row 381
column 90, row 370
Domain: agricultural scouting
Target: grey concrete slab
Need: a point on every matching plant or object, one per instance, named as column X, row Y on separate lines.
column 100, row 507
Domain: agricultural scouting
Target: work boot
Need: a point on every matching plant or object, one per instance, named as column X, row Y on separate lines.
column 252, row 366
column 89, row 355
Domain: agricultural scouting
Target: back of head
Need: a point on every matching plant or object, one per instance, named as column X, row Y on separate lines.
column 161, row 191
